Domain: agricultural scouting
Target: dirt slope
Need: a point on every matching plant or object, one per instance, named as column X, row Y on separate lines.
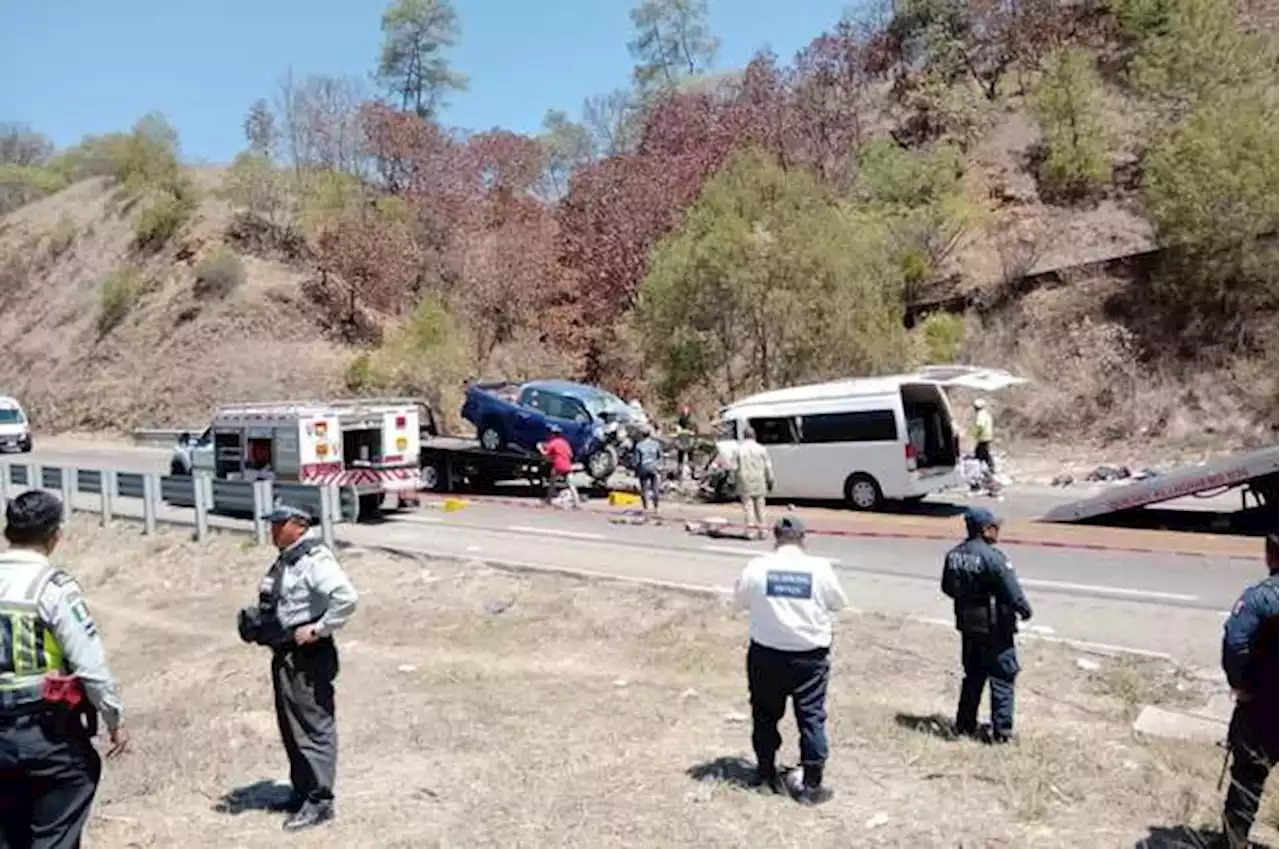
column 174, row 354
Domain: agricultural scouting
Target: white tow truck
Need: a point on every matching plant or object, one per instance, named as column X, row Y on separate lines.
column 369, row 445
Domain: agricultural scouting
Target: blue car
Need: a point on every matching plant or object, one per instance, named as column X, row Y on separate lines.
column 508, row 415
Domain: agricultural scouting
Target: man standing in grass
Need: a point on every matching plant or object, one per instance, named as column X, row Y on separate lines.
column 1249, row 659
column 790, row 597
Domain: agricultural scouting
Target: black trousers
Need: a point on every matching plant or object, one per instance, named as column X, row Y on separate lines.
column 983, row 452
column 650, row 489
column 987, row 658
column 303, row 682
column 1253, row 740
column 49, row 774
column 773, row 676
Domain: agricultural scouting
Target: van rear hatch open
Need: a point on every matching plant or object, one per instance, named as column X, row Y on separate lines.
column 932, row 435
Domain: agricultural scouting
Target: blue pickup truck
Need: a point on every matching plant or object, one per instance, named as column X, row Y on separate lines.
column 509, row 415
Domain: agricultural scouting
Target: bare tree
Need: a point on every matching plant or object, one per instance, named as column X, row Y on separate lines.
column 21, row 145
column 320, row 125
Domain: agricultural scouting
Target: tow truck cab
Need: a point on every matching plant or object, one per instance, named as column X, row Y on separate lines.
column 368, row 445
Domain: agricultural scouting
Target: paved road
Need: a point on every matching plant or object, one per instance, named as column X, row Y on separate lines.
column 1021, row 501
column 1150, row 603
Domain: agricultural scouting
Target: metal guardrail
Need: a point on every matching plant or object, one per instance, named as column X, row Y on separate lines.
column 243, row 499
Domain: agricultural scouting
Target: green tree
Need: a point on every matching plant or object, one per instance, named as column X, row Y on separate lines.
column 768, row 281
column 919, row 197
column 568, row 146
column 416, row 34
column 1067, row 105
column 1191, row 51
column 672, row 41
column 1210, row 187
column 253, row 183
column 260, row 129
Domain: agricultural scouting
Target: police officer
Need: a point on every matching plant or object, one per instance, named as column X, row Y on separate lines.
column 790, row 596
column 312, row 598
column 1249, row 659
column 988, row 602
column 51, row 659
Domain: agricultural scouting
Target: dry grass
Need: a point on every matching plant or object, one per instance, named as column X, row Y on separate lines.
column 478, row 708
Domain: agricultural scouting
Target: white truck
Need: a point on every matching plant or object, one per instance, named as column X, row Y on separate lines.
column 370, row 445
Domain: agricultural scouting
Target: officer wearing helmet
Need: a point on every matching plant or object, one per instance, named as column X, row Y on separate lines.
column 304, row 598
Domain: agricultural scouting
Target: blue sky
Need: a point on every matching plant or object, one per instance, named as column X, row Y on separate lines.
column 72, row 67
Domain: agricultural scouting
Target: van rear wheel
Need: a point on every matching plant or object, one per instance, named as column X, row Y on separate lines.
column 862, row 492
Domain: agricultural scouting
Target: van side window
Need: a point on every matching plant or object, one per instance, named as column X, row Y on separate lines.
column 870, row 426
column 774, row 431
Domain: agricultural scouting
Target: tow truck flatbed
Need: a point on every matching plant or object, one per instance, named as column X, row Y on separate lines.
column 456, row 464
column 1256, row 471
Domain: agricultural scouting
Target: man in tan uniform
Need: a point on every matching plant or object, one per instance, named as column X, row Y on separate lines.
column 754, row 474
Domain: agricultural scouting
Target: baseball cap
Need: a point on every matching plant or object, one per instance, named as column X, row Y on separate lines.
column 977, row 518
column 792, row 525
column 285, row 513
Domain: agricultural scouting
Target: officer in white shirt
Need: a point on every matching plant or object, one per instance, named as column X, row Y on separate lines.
column 305, row 597
column 790, row 597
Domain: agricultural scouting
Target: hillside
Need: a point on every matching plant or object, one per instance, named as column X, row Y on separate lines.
column 173, row 354
column 1083, row 194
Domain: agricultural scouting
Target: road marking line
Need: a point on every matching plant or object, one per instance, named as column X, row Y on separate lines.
column 729, row 549
column 1061, row 585
column 525, row 529
column 1040, row 629
column 424, row 520
column 1083, row 645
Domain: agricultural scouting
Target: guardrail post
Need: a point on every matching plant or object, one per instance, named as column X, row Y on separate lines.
column 106, row 489
column 202, row 506
column 4, row 484
column 261, row 505
column 328, row 495
column 150, row 492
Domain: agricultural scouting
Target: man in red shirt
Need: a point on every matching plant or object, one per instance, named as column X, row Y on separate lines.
column 560, row 455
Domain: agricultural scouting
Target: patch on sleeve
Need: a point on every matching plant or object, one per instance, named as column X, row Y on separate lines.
column 1235, row 611
column 778, row 584
column 81, row 612
column 62, row 578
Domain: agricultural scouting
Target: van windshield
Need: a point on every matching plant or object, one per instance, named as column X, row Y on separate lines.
column 11, row 415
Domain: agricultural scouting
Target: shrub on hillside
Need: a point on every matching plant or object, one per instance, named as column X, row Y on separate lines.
column 1067, row 106
column 219, row 274
column 938, row 338
column 255, row 185
column 117, row 297
column 23, row 184
column 162, row 218
column 63, row 236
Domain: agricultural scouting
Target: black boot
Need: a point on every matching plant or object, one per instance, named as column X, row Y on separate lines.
column 813, row 793
column 311, row 815
column 767, row 780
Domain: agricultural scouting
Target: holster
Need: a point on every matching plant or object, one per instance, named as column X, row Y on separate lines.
column 70, row 708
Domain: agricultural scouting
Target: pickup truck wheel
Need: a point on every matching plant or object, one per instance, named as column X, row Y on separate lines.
column 492, row 438
column 601, row 464
column 430, row 477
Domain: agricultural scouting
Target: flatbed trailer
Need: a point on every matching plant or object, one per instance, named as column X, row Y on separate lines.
column 1254, row 471
column 458, row 464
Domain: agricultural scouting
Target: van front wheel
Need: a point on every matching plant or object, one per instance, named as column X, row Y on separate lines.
column 861, row 492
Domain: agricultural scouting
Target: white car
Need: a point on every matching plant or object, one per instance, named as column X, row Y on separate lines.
column 15, row 430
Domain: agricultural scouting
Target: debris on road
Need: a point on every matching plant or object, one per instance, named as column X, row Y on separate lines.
column 878, row 820
column 1087, row 665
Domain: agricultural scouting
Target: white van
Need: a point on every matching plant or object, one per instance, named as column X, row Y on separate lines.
column 865, row 440
column 15, row 429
